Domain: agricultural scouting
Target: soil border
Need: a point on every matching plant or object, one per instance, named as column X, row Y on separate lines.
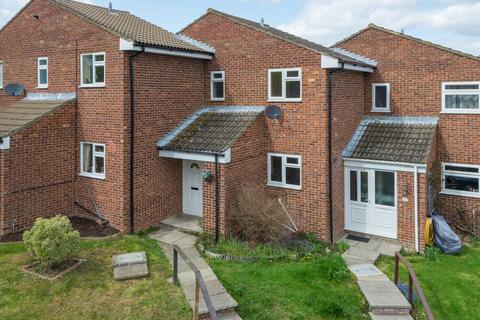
column 27, row 269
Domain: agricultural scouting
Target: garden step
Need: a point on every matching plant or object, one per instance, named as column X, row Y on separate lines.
column 389, row 317
column 383, row 297
column 231, row 315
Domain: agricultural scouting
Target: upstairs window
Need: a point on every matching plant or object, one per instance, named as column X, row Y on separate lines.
column 285, row 85
column 42, row 72
column 460, row 97
column 381, row 97
column 217, row 85
column 92, row 69
column 92, row 157
column 1, row 75
column 284, row 171
column 461, row 179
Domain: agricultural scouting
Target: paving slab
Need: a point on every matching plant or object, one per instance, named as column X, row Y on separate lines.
column 365, row 270
column 130, row 271
column 185, row 222
column 383, row 294
column 389, row 249
column 220, row 302
column 129, row 258
column 389, row 317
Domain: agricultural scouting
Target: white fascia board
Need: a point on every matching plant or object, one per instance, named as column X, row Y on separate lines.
column 225, row 158
column 384, row 165
column 5, row 144
column 126, row 45
column 328, row 62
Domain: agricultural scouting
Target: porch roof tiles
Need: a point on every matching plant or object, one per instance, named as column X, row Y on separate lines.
column 24, row 113
column 393, row 139
column 210, row 130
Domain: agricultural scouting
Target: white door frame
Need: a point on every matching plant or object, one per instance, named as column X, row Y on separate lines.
column 367, row 216
column 192, row 188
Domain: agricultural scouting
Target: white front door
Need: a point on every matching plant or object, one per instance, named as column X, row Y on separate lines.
column 370, row 202
column 192, row 188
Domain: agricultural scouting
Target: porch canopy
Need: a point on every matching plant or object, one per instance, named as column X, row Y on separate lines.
column 209, row 132
column 391, row 139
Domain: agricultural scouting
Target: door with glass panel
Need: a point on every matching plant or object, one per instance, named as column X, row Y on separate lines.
column 370, row 202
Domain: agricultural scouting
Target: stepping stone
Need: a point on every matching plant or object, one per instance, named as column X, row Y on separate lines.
column 130, row 266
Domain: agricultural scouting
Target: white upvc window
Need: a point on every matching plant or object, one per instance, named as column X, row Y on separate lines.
column 92, row 69
column 1, row 75
column 285, row 85
column 461, row 97
column 381, row 97
column 92, row 160
column 461, row 179
column 217, row 86
column 42, row 72
column 284, row 171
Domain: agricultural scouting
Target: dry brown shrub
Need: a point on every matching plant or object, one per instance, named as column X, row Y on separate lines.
column 258, row 218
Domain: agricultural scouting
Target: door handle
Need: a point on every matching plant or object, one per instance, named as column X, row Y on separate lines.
column 194, row 188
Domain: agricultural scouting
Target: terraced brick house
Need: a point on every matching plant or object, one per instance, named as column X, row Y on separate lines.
column 125, row 122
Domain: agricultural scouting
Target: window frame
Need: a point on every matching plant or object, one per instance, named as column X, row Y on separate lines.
column 214, row 80
column 445, row 92
column 95, row 154
column 285, row 165
column 285, row 79
column 39, row 69
column 1, row 74
column 374, row 88
column 462, row 174
column 103, row 63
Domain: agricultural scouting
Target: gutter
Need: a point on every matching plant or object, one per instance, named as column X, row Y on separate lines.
column 330, row 148
column 132, row 139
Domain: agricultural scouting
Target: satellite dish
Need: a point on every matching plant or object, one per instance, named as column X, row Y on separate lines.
column 14, row 89
column 273, row 112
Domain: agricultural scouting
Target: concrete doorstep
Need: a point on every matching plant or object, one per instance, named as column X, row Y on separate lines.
column 223, row 303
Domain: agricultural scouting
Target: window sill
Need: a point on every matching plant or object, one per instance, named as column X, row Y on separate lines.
column 381, row 110
column 460, row 193
column 92, row 176
column 92, row 86
column 284, row 100
column 461, row 111
column 42, row 87
column 284, row 186
column 217, row 99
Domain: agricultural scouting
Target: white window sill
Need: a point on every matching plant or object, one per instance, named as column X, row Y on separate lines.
column 461, row 111
column 42, row 87
column 284, row 186
column 92, row 176
column 92, row 86
column 381, row 110
column 217, row 99
column 461, row 193
column 284, row 100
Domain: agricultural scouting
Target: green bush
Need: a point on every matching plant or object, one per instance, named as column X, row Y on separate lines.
column 52, row 241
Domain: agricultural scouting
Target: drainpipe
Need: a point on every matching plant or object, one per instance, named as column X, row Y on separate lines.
column 217, row 200
column 415, row 191
column 330, row 148
column 132, row 139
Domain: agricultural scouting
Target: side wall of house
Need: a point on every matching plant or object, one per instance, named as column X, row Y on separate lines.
column 63, row 37
column 415, row 72
column 39, row 170
column 167, row 90
column 347, row 107
column 246, row 54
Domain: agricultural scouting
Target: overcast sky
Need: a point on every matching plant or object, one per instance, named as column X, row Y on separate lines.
column 452, row 23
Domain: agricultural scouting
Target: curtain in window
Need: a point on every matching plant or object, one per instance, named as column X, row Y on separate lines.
column 87, row 158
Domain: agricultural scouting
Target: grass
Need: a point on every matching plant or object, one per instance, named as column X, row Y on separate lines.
column 90, row 292
column 450, row 282
column 317, row 287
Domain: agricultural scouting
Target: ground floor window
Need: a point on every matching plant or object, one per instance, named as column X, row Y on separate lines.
column 461, row 179
column 92, row 160
column 284, row 171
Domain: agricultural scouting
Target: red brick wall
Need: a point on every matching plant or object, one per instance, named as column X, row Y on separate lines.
column 415, row 72
column 246, row 55
column 102, row 117
column 348, row 105
column 167, row 89
column 38, row 170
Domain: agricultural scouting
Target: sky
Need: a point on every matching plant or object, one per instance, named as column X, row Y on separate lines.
column 452, row 23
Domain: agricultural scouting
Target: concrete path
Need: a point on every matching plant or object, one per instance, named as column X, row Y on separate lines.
column 222, row 301
column 184, row 222
column 385, row 300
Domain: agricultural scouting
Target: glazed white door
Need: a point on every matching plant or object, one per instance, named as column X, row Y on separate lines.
column 192, row 188
column 370, row 202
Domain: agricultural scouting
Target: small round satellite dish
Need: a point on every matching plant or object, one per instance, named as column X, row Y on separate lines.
column 14, row 89
column 273, row 112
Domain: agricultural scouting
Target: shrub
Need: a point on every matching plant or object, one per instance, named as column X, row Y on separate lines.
column 258, row 218
column 52, row 241
column 432, row 253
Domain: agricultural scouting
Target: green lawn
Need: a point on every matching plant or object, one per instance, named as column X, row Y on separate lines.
column 451, row 286
column 315, row 288
column 90, row 292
